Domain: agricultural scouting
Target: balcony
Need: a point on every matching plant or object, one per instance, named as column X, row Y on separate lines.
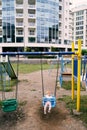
column 32, row 7
column 32, row 34
column 19, row 33
column 0, row 7
column 32, row 25
column 60, row 36
column 0, row 33
column 0, row 24
column 19, row 15
column 60, row 19
column 60, row 11
column 19, row 24
column 31, row 15
column 60, row 3
column 60, row 27
column 19, row 5
column 0, row 16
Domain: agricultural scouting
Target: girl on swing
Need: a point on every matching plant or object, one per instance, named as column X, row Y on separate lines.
column 48, row 102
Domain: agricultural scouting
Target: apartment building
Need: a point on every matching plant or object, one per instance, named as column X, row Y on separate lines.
column 65, row 19
column 80, row 24
column 35, row 24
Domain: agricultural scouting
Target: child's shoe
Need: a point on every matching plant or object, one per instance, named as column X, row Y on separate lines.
column 48, row 111
column 45, row 112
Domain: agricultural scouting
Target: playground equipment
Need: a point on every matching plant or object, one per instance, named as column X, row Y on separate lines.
column 84, row 71
column 53, row 97
column 78, row 53
column 7, row 66
column 65, row 74
column 7, row 73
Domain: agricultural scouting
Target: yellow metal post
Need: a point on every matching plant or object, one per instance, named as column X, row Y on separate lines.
column 72, row 71
column 79, row 70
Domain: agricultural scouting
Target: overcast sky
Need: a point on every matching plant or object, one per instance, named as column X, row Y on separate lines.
column 78, row 2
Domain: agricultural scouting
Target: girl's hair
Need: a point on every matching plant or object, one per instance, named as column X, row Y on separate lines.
column 47, row 92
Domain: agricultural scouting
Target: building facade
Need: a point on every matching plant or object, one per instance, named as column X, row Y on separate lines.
column 65, row 22
column 80, row 24
column 35, row 24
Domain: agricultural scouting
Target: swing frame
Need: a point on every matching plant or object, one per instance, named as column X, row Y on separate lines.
column 9, row 105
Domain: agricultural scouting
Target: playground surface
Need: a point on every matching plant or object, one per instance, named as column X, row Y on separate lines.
column 32, row 117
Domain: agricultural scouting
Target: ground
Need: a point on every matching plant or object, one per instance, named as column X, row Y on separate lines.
column 30, row 115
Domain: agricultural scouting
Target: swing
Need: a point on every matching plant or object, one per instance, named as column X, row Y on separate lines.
column 9, row 105
column 52, row 99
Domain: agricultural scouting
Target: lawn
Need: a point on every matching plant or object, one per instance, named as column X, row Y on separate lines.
column 71, row 105
column 28, row 68
column 68, row 85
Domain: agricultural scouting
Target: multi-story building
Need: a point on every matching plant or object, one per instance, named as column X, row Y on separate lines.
column 35, row 24
column 80, row 24
column 66, row 22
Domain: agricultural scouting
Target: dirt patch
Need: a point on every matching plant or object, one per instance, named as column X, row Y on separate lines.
column 54, row 118
column 9, row 119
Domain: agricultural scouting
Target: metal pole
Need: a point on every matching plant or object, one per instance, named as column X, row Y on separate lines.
column 72, row 71
column 79, row 72
column 37, row 53
column 17, row 77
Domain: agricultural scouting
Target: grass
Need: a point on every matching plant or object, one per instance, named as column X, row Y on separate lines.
column 68, row 85
column 71, row 104
column 33, row 90
column 28, row 68
column 8, row 85
column 23, row 103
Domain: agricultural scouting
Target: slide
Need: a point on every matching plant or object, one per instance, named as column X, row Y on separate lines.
column 9, row 69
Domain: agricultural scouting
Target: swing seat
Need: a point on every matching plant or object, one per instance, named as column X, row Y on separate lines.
column 52, row 100
column 9, row 105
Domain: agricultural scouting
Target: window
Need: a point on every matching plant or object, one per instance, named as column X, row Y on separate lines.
column 47, row 20
column 65, row 26
column 31, row 39
column 31, row 32
column 65, row 34
column 60, row 16
column 60, row 7
column 80, row 12
column 20, row 32
column 19, row 39
column 8, row 21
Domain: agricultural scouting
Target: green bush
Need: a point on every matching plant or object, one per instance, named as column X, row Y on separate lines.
column 84, row 52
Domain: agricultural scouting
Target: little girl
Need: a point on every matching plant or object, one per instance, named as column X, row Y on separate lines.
column 48, row 103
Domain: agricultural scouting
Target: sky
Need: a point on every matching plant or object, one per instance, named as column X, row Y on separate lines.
column 78, row 2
